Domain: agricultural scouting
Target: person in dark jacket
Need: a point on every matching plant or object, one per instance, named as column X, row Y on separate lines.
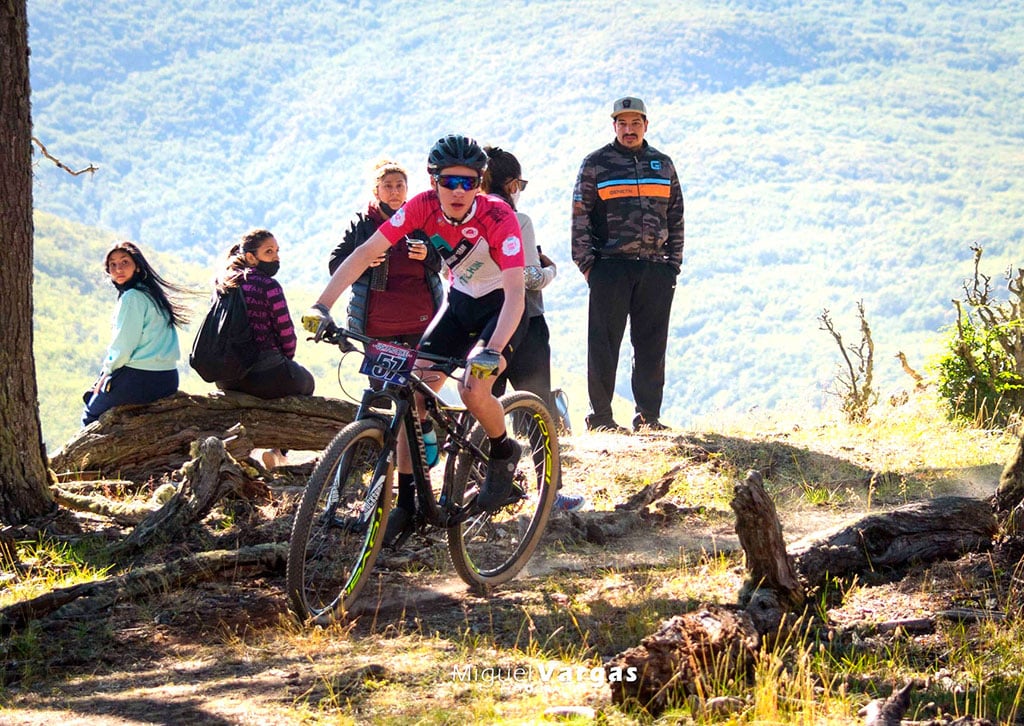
column 252, row 264
column 627, row 240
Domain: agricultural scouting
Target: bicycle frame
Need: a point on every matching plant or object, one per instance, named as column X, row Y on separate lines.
column 455, row 421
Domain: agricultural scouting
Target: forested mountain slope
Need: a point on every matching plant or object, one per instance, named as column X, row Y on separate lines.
column 828, row 152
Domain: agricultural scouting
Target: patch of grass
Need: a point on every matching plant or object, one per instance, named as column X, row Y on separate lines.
column 49, row 565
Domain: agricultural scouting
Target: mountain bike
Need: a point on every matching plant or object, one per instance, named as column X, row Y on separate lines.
column 339, row 525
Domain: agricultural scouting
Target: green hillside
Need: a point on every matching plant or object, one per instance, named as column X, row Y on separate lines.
column 828, row 152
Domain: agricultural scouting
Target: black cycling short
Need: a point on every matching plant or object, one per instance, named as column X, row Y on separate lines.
column 464, row 320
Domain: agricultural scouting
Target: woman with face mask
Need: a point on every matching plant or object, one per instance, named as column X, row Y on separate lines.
column 252, row 264
column 141, row 361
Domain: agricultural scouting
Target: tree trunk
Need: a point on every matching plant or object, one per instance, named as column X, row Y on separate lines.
column 24, row 492
column 138, row 442
column 760, row 533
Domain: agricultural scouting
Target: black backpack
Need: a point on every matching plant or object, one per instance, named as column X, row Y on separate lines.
column 224, row 349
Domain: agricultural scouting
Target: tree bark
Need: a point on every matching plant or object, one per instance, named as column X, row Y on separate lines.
column 683, row 657
column 888, row 711
column 24, row 492
column 1009, row 499
column 942, row 528
column 760, row 533
column 208, row 477
column 138, row 442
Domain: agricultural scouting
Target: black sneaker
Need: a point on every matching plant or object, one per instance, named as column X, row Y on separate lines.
column 640, row 422
column 400, row 526
column 604, row 423
column 498, row 482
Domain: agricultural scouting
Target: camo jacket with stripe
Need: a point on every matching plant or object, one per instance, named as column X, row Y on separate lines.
column 627, row 205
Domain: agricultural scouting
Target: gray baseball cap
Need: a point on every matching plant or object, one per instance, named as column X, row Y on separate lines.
column 629, row 104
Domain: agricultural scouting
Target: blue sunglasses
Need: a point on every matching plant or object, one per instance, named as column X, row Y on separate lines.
column 453, row 182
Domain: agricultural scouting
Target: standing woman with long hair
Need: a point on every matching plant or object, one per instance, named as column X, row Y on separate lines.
column 529, row 368
column 141, row 361
column 252, row 264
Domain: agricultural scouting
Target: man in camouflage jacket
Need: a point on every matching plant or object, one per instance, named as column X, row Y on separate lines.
column 627, row 240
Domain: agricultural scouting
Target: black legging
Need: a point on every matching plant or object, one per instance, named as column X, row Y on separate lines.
column 270, row 380
column 530, row 366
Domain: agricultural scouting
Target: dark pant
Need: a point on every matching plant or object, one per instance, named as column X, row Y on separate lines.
column 530, row 366
column 641, row 292
column 275, row 377
column 130, row 385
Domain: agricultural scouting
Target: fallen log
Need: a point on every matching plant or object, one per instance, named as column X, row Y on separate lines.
column 94, row 597
column 139, row 442
column 921, row 532
column 678, row 659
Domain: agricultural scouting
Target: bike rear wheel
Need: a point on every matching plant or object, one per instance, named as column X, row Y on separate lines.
column 490, row 549
column 339, row 525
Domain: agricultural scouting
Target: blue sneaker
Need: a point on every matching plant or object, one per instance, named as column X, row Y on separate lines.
column 568, row 502
column 431, row 449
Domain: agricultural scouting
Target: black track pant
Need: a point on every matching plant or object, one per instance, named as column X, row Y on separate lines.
column 642, row 293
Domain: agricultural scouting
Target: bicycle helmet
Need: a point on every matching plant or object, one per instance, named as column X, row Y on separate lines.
column 456, row 150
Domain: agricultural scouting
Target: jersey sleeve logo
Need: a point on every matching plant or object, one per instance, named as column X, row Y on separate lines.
column 398, row 218
column 511, row 246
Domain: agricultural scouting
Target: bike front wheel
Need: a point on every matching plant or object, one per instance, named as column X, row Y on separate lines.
column 339, row 525
column 490, row 549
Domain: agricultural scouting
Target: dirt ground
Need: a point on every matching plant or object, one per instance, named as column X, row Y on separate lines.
column 205, row 656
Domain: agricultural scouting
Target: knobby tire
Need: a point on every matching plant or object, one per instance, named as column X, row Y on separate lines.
column 490, row 549
column 338, row 531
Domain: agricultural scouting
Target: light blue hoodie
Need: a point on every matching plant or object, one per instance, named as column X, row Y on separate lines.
column 144, row 338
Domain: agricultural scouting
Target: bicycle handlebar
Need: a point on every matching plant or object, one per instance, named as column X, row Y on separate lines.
column 342, row 337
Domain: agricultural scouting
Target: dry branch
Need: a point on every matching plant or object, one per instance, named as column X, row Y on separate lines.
column 92, row 597
column 207, row 478
column 127, row 512
column 92, row 168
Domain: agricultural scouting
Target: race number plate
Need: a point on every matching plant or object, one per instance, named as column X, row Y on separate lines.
column 388, row 362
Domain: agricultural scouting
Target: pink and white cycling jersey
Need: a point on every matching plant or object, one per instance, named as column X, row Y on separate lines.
column 476, row 251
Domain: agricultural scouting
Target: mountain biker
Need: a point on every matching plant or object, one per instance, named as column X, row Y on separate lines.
column 484, row 317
